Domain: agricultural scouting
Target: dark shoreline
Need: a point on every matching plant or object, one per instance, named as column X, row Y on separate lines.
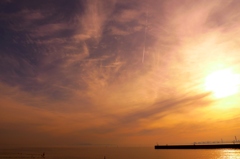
column 201, row 146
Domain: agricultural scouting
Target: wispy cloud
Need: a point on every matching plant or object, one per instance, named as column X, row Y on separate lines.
column 76, row 67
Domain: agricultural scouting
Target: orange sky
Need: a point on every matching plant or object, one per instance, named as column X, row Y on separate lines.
column 79, row 73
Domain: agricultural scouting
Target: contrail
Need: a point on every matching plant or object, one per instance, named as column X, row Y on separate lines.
column 145, row 33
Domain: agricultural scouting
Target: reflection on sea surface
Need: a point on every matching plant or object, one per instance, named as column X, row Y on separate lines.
column 230, row 154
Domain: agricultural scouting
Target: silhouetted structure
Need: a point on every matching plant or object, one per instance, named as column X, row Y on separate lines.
column 200, row 146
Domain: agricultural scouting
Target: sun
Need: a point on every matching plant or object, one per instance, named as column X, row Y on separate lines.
column 222, row 83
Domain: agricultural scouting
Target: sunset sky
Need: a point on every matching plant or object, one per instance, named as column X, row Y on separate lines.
column 119, row 72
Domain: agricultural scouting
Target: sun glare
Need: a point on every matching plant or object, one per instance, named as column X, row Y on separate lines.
column 222, row 83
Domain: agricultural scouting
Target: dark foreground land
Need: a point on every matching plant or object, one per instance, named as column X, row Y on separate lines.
column 200, row 146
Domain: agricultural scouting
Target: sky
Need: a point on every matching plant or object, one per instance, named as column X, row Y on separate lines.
column 118, row 72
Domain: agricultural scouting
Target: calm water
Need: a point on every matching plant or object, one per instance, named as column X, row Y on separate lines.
column 117, row 153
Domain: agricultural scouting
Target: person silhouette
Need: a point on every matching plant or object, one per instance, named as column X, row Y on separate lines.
column 43, row 155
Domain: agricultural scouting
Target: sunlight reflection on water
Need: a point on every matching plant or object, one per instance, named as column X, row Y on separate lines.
column 230, row 154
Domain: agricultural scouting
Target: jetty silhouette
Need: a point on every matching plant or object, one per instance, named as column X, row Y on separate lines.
column 234, row 145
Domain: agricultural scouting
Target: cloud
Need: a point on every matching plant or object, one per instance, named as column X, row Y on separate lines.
column 143, row 116
column 52, row 49
column 76, row 67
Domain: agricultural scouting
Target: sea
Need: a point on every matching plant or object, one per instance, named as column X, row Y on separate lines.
column 115, row 153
